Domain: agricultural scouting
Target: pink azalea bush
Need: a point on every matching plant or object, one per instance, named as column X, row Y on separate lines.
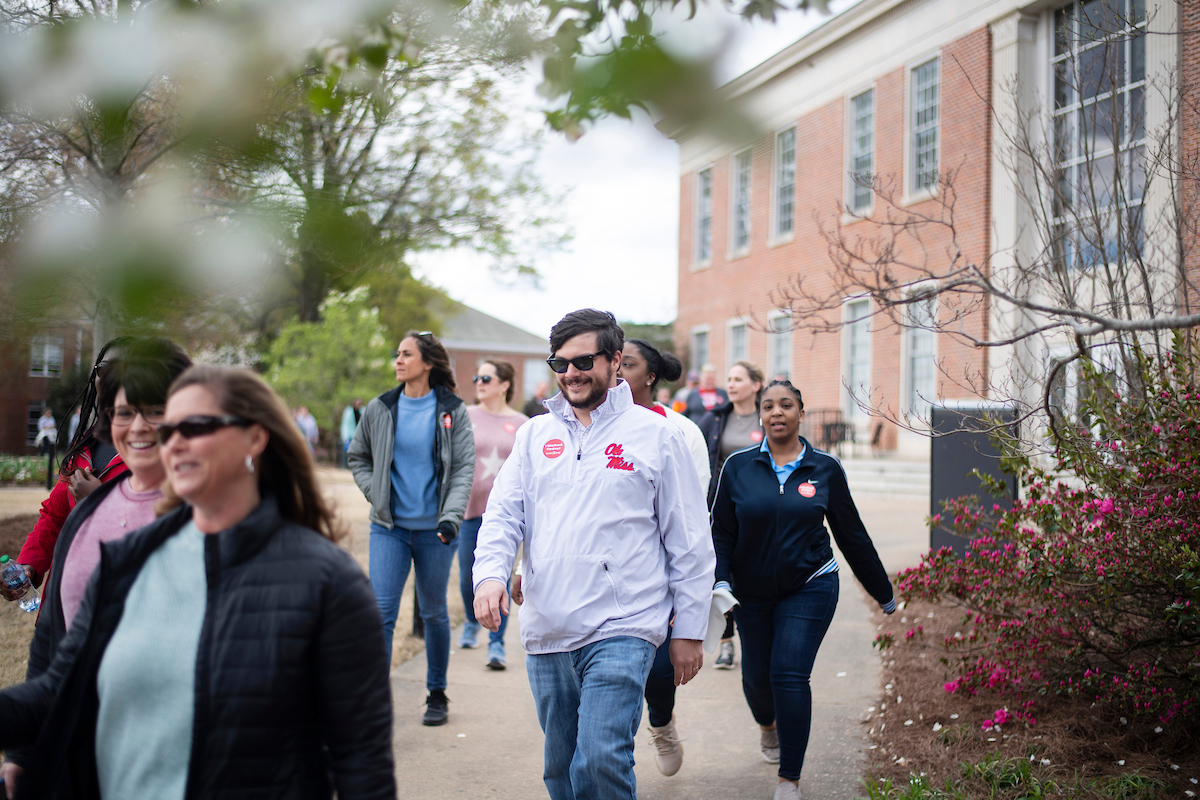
column 1087, row 587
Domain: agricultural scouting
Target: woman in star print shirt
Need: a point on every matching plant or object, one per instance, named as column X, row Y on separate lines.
column 495, row 425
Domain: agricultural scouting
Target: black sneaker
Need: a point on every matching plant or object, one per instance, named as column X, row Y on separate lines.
column 436, row 708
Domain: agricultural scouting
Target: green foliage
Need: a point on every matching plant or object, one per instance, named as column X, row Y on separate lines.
column 1130, row 786
column 1088, row 586
column 23, row 470
column 326, row 365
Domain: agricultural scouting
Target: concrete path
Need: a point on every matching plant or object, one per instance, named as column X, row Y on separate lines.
column 492, row 745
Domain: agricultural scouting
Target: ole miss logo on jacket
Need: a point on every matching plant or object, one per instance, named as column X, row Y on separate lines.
column 615, row 460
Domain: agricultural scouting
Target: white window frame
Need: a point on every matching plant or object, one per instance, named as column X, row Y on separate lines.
column 774, row 338
column 913, row 193
column 735, row 209
column 730, row 356
column 696, row 330
column 855, row 211
column 850, row 408
column 699, row 260
column 33, row 414
column 45, row 343
column 921, row 414
column 777, row 163
column 534, row 371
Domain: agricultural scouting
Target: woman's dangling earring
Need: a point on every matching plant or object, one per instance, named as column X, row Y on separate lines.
column 250, row 464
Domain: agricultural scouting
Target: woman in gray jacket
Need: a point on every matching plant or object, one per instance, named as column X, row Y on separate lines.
column 413, row 456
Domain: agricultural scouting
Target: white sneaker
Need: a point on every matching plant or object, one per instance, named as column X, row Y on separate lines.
column 769, row 742
column 725, row 656
column 786, row 790
column 668, row 751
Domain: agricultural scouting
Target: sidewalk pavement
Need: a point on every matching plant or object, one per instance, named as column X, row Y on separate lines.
column 492, row 745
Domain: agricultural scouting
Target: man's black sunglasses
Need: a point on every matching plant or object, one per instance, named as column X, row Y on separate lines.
column 199, row 425
column 581, row 363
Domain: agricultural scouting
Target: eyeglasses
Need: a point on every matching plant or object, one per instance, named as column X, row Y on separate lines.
column 581, row 363
column 484, row 379
column 199, row 425
column 123, row 416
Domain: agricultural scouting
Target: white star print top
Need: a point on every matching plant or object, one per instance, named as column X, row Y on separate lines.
column 494, row 437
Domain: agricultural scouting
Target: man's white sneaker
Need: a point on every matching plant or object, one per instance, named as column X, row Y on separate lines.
column 769, row 742
column 668, row 752
column 786, row 790
column 725, row 657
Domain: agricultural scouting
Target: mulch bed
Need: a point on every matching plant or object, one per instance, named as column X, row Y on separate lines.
column 13, row 532
column 918, row 728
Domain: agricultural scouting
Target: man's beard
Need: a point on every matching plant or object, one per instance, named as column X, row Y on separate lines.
column 593, row 397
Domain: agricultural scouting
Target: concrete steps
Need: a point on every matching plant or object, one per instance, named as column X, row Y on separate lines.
column 887, row 477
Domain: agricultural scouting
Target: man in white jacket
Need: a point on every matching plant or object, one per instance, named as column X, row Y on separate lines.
column 604, row 497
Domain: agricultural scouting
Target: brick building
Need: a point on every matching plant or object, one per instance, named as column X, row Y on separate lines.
column 28, row 369
column 471, row 336
column 902, row 90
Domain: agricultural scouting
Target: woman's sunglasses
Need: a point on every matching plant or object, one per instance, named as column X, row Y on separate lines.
column 484, row 379
column 581, row 363
column 199, row 425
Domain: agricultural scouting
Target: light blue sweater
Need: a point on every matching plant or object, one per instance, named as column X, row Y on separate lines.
column 147, row 677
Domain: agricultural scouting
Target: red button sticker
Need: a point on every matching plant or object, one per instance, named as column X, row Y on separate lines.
column 807, row 489
column 756, row 436
column 553, row 448
column 447, row 421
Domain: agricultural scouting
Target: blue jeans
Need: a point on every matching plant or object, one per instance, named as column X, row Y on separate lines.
column 660, row 686
column 467, row 535
column 589, row 704
column 779, row 646
column 393, row 553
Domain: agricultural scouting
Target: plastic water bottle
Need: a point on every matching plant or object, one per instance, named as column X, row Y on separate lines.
column 14, row 575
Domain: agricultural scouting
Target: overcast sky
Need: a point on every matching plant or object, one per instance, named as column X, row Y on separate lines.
column 623, row 202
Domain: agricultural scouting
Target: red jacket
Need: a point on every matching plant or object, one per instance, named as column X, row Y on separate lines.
column 38, row 551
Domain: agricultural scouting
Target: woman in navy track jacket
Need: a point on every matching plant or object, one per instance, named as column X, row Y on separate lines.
column 773, row 553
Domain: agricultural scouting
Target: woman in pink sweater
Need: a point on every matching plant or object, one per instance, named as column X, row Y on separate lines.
column 495, row 425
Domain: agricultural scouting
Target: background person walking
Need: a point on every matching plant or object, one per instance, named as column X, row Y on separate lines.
column 773, row 553
column 495, row 426
column 413, row 457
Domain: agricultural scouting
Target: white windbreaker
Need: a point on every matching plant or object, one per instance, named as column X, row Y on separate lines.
column 615, row 528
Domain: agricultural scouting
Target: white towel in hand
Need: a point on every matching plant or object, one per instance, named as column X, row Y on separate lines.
column 722, row 601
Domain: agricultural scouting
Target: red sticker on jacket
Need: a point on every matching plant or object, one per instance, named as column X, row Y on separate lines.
column 756, row 436
column 553, row 448
column 807, row 489
column 447, row 421
column 510, row 428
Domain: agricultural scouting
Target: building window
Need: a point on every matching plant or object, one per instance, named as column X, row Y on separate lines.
column 862, row 151
column 535, row 372
column 779, row 348
column 858, row 356
column 45, row 356
column 741, row 201
column 704, row 215
column 1099, row 67
column 31, row 423
column 785, row 182
column 699, row 349
column 738, row 350
column 921, row 365
column 923, row 160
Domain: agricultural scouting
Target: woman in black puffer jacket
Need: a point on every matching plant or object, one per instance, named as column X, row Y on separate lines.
column 227, row 649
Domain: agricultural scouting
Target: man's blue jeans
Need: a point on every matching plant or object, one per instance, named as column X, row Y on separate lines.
column 467, row 535
column 589, row 704
column 394, row 551
column 779, row 646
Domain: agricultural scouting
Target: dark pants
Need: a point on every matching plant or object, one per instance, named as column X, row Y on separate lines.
column 660, row 686
column 779, row 646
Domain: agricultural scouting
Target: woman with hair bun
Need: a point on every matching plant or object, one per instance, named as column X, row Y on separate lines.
column 494, row 424
column 773, row 553
column 642, row 367
column 228, row 649
column 413, row 457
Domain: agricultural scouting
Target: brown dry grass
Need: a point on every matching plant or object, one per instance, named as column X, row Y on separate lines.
column 16, row 626
column 1075, row 750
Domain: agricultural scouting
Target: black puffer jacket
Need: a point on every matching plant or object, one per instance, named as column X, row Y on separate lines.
column 292, row 696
